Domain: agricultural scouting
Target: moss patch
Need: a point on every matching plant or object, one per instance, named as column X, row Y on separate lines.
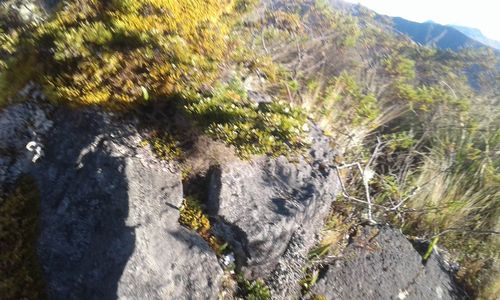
column 21, row 276
column 164, row 146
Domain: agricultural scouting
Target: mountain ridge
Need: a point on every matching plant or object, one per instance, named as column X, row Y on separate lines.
column 428, row 33
column 477, row 35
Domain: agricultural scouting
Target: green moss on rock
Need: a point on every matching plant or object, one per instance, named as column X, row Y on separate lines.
column 21, row 276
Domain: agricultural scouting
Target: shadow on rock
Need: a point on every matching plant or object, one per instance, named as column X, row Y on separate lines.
column 109, row 217
column 84, row 243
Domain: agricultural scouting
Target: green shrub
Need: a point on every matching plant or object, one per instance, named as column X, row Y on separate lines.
column 401, row 67
column 253, row 290
column 192, row 217
column 274, row 128
column 110, row 51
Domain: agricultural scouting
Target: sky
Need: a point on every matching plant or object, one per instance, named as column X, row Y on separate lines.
column 481, row 14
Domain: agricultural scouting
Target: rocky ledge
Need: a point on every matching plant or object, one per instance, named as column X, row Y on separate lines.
column 110, row 211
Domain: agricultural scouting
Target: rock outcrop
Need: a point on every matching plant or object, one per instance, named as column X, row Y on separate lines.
column 110, row 210
column 380, row 263
column 109, row 215
column 21, row 124
column 271, row 207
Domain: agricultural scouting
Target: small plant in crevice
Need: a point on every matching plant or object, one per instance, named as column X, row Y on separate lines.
column 310, row 278
column 193, row 217
column 334, row 236
column 252, row 289
column 339, row 226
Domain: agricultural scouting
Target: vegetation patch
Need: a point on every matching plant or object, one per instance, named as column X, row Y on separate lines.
column 110, row 52
column 253, row 289
column 164, row 146
column 121, row 53
column 19, row 224
column 193, row 217
column 274, row 128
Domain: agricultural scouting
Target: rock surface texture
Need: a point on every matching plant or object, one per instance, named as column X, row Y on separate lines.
column 21, row 124
column 380, row 263
column 109, row 216
column 271, row 210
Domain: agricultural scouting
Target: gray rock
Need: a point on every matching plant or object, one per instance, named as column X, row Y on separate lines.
column 270, row 211
column 109, row 217
column 380, row 263
column 24, row 122
column 24, row 11
column 20, row 124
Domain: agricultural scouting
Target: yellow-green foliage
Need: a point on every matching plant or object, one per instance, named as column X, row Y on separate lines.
column 164, row 146
column 252, row 128
column 192, row 216
column 8, row 44
column 343, row 105
column 400, row 67
column 20, row 273
column 426, row 97
column 253, row 290
column 120, row 52
column 346, row 28
column 111, row 51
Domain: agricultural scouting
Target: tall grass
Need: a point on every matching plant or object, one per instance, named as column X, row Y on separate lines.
column 458, row 199
column 347, row 113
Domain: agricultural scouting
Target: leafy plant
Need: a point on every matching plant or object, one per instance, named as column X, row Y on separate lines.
column 193, row 217
column 253, row 290
column 109, row 51
column 309, row 280
column 274, row 128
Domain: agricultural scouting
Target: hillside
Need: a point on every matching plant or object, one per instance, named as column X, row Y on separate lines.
column 244, row 149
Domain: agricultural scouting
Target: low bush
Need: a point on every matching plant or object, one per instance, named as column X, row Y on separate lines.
column 94, row 52
column 274, row 128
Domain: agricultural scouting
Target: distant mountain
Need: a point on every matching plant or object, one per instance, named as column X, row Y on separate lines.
column 477, row 35
column 428, row 33
column 437, row 35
